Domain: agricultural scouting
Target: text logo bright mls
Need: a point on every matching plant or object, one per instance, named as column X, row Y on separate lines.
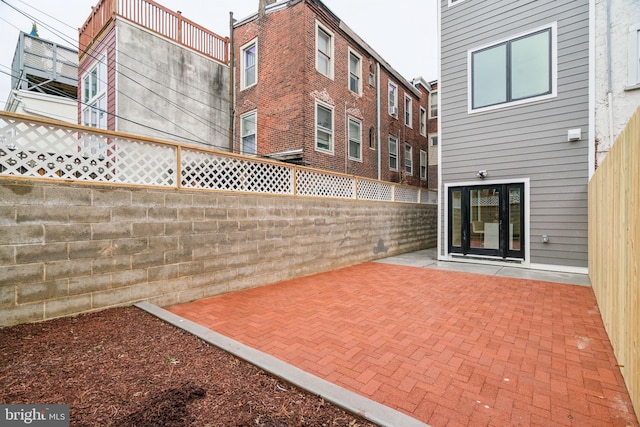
column 34, row 415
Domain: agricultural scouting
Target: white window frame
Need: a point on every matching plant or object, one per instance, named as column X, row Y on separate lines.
column 423, row 121
column 554, row 70
column 433, row 95
column 355, row 138
column 357, row 73
column 331, row 55
column 393, row 154
column 243, row 64
column 633, row 80
column 330, row 131
column 393, row 101
column 94, row 105
column 423, row 165
column 408, row 159
column 431, row 138
column 408, row 111
column 251, row 115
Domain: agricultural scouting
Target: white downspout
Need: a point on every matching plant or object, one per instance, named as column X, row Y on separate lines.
column 379, row 119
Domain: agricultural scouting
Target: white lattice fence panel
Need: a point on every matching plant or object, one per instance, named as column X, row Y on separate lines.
column 218, row 172
column 407, row 194
column 44, row 151
column 146, row 163
column 314, row 183
column 375, row 190
column 428, row 197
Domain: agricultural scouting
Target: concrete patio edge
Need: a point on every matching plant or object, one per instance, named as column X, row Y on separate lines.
column 349, row 401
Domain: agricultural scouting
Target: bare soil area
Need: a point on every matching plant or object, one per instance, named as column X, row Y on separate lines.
column 124, row 367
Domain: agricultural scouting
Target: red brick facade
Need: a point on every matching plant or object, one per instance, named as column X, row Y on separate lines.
column 289, row 87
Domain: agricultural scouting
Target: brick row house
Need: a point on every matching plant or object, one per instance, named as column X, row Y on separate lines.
column 309, row 90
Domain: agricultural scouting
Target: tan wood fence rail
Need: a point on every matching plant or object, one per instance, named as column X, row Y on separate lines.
column 35, row 148
column 614, row 250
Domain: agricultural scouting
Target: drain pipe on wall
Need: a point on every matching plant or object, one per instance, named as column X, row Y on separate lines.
column 231, row 84
column 346, row 139
column 609, row 83
column 378, row 124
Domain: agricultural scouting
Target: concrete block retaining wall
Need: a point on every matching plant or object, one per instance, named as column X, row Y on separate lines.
column 67, row 249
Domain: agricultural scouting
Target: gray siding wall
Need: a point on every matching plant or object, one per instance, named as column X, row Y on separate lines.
column 165, row 86
column 529, row 140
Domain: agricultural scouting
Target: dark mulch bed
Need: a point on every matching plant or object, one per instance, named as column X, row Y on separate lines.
column 124, row 367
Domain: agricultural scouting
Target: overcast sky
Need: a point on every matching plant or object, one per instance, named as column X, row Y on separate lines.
column 403, row 32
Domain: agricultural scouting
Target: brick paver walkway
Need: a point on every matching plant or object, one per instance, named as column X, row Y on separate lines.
column 448, row 348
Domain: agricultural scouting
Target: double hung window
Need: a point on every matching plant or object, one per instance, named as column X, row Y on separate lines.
column 324, row 51
column 324, row 128
column 248, row 126
column 393, row 100
column 393, row 153
column 355, row 139
column 249, row 64
column 408, row 159
column 355, row 73
column 408, row 111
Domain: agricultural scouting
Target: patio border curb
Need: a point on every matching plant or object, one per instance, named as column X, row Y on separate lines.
column 345, row 399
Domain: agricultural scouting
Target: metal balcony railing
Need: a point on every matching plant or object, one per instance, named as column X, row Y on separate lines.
column 158, row 19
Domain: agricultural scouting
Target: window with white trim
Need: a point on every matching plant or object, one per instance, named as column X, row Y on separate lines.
column 324, row 128
column 513, row 71
column 324, row 50
column 249, row 64
column 423, row 121
column 355, row 72
column 408, row 159
column 434, row 141
column 94, row 95
column 408, row 111
column 393, row 100
column 248, row 127
column 433, row 105
column 423, row 165
column 355, row 139
column 393, row 153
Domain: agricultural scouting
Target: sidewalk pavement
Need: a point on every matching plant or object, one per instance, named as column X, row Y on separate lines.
column 449, row 348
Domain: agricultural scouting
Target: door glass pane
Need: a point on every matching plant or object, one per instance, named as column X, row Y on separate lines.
column 456, row 218
column 515, row 228
column 484, row 218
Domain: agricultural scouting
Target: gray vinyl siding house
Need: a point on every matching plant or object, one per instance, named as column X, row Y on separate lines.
column 515, row 132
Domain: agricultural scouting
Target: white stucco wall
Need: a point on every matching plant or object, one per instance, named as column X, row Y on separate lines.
column 624, row 17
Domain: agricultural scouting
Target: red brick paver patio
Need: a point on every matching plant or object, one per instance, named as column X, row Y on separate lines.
column 448, row 348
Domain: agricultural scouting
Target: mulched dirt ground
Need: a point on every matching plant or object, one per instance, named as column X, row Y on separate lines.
column 124, row 367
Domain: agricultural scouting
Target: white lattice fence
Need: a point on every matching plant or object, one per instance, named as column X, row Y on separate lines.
column 375, row 190
column 407, row 194
column 320, row 184
column 34, row 148
column 218, row 172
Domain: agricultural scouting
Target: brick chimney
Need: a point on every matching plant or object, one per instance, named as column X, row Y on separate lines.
column 263, row 6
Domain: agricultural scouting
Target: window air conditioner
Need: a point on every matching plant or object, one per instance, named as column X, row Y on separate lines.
column 393, row 110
